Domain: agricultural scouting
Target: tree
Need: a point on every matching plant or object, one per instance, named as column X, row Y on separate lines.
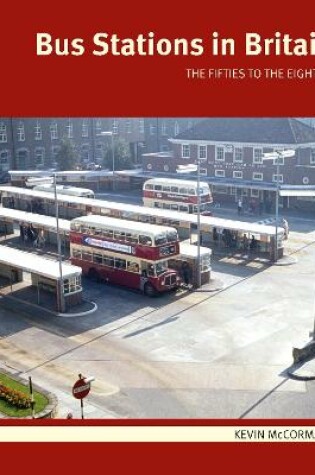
column 66, row 157
column 122, row 156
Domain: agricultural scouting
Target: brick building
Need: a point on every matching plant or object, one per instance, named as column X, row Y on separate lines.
column 32, row 144
column 158, row 131
column 230, row 151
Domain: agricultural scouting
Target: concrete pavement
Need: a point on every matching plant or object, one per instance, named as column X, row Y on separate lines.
column 214, row 353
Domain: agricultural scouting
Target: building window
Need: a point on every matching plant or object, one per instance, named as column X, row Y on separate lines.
column 21, row 132
column 202, row 152
column 238, row 154
column 54, row 131
column 85, row 153
column 99, row 152
column 254, row 193
column 3, row 133
column 115, row 126
column 176, row 128
column 220, row 189
column 203, row 171
column 4, row 160
column 232, row 190
column 312, row 157
column 96, row 126
column 276, row 178
column 258, row 156
column 38, row 132
column 258, row 176
column 39, row 157
column 22, row 156
column 141, row 126
column 164, row 129
column 244, row 191
column 128, row 126
column 185, row 151
column 219, row 173
column 219, row 154
column 69, row 129
column 85, row 129
column 237, row 174
column 54, row 152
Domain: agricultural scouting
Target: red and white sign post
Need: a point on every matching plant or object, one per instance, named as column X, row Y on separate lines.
column 81, row 389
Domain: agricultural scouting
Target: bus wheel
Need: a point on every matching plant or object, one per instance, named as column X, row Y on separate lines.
column 149, row 290
column 94, row 275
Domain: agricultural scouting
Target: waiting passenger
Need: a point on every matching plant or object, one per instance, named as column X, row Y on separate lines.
column 143, row 280
column 245, row 243
column 40, row 241
column 186, row 273
column 285, row 225
column 253, row 244
column 31, row 234
column 22, row 232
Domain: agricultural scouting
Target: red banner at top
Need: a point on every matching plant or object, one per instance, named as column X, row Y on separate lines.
column 169, row 59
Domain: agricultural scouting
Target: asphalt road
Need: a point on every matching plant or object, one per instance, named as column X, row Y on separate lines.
column 203, row 354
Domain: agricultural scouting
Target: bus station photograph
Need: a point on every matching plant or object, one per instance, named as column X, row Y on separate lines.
column 166, row 261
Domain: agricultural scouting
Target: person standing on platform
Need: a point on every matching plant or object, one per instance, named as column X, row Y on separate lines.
column 239, row 207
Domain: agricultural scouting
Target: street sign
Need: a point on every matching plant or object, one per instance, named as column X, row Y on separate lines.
column 81, row 389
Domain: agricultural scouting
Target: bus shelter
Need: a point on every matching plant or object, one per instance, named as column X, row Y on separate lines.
column 189, row 257
column 241, row 236
column 61, row 283
column 46, row 224
column 224, row 233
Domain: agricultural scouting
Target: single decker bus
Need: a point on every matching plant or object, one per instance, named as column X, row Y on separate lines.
column 65, row 190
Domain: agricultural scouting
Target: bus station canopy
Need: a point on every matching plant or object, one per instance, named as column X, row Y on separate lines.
column 33, row 263
column 127, row 211
column 37, row 220
column 191, row 251
column 306, row 193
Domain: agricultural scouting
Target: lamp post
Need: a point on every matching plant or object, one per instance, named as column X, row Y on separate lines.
column 60, row 284
column 198, row 226
column 189, row 169
column 276, row 155
column 107, row 134
column 13, row 161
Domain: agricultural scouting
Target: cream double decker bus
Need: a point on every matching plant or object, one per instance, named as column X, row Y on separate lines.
column 126, row 253
column 177, row 195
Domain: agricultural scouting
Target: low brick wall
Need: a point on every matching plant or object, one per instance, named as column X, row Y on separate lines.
column 50, row 411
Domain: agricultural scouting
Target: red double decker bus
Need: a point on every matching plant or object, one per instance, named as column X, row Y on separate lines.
column 124, row 252
column 177, row 195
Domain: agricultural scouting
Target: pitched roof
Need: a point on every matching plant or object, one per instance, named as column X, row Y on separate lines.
column 251, row 130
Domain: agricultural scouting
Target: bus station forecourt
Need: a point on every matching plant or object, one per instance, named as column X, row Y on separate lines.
column 209, row 353
column 58, row 231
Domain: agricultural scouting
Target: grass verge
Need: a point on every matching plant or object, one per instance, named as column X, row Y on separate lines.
column 7, row 409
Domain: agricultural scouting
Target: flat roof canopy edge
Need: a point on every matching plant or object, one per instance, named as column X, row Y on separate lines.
column 210, row 221
column 33, row 263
